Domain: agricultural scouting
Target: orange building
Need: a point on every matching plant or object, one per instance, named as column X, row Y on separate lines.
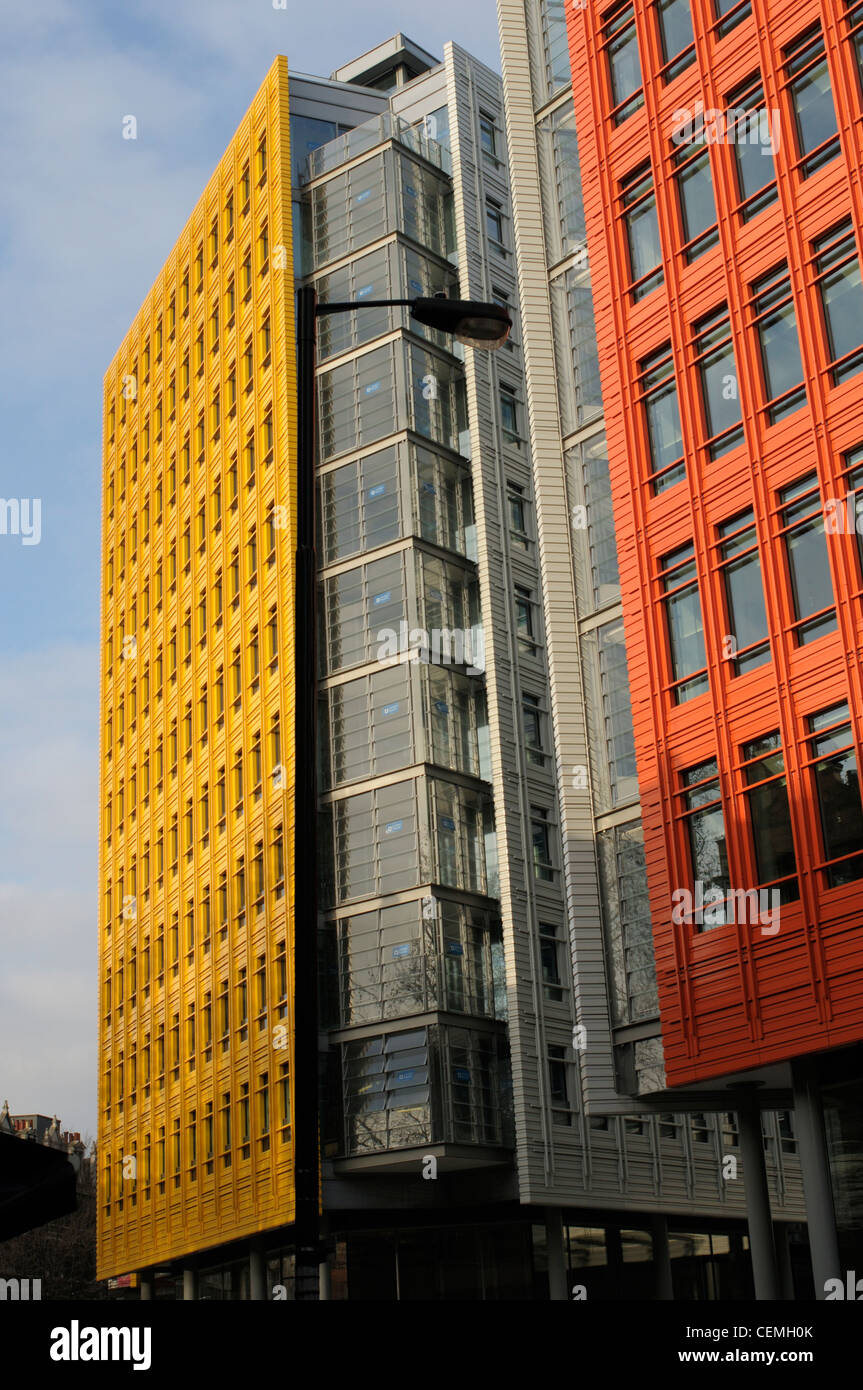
column 721, row 147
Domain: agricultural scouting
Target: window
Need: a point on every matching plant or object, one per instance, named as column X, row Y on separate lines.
column 502, row 299
column 745, row 644
column 668, row 1127
column 533, row 717
column 624, row 68
column 674, row 18
column 714, row 352
column 837, row 275
column 808, row 81
column 557, row 1085
column 524, row 620
column 518, row 505
column 700, row 1127
column 509, row 414
column 776, row 324
column 627, row 924
column 749, row 131
column 540, row 828
column 833, row 760
column 494, row 223
column 705, row 831
column 679, row 581
column 851, row 503
column 555, row 46
column 662, row 418
column 785, row 1126
column 729, row 13
column 549, row 947
column 854, row 21
column 612, row 744
column 691, row 160
column 488, row 137
column 769, row 815
column 638, row 200
column 802, row 518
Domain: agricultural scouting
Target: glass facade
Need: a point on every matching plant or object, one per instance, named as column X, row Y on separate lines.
column 404, row 755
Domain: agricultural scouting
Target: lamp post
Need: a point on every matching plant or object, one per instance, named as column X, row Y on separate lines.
column 477, row 325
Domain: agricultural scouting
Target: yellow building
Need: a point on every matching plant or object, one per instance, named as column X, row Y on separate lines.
column 197, row 720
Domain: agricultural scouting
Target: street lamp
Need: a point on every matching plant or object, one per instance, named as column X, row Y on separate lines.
column 477, row 325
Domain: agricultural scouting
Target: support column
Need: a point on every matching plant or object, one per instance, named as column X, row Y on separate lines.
column 145, row 1285
column 557, row 1290
column 761, row 1246
column 257, row 1273
column 815, row 1170
column 662, row 1259
column 324, row 1293
column 783, row 1260
column 190, row 1283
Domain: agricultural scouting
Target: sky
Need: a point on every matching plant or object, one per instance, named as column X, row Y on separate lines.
column 86, row 221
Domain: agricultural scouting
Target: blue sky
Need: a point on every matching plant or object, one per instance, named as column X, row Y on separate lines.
column 86, row 220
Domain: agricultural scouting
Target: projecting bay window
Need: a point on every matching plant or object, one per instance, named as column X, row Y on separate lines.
column 662, row 417
column 464, row 838
column 717, row 369
column 704, row 826
column 770, row 816
column 555, row 47
column 624, row 67
column 837, row 268
column 745, row 645
column 679, row 581
column 776, row 325
column 638, row 200
column 832, row 758
column 691, row 160
column 811, row 97
column 674, row 20
column 802, row 519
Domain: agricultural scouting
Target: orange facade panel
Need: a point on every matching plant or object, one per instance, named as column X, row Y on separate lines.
column 721, row 147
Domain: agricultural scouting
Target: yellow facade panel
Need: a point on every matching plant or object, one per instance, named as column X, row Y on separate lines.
column 197, row 711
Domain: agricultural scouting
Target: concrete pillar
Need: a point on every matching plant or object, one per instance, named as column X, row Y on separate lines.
column 145, row 1285
column 557, row 1289
column 815, row 1170
column 190, row 1283
column 761, row 1246
column 662, row 1259
column 324, row 1292
column 783, row 1260
column 257, row 1273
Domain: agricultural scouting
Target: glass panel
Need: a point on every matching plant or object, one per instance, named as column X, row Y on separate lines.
column 812, row 99
column 771, row 831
